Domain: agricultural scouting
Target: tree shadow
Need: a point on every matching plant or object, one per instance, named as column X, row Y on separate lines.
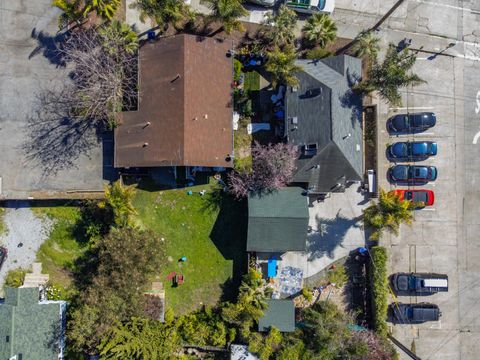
column 49, row 46
column 57, row 136
column 229, row 235
column 329, row 235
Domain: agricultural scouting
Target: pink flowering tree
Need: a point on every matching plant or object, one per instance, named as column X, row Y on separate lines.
column 273, row 167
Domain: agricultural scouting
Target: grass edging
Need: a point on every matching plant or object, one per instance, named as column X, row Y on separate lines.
column 379, row 288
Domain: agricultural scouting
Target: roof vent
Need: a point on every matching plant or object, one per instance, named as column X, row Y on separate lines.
column 294, row 89
column 294, row 120
column 310, row 149
column 358, row 147
column 145, row 144
column 205, row 116
column 175, row 78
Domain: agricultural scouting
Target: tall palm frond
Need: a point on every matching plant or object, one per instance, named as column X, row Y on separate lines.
column 366, row 44
column 227, row 12
column 320, row 29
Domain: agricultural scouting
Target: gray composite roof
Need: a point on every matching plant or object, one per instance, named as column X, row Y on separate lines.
column 33, row 329
column 323, row 110
column 279, row 314
column 277, row 221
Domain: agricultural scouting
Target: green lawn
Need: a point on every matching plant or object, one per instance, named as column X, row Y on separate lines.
column 212, row 240
column 63, row 246
column 252, row 81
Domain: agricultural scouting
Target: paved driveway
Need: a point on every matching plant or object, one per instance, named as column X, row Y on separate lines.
column 42, row 153
column 336, row 231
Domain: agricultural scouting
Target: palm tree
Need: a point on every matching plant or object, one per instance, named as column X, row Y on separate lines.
column 227, row 12
column 366, row 44
column 71, row 11
column 281, row 27
column 281, row 66
column 118, row 199
column 391, row 75
column 320, row 30
column 163, row 12
column 104, row 8
column 119, row 36
column 388, row 213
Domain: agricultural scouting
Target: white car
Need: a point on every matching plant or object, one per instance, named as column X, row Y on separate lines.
column 311, row 6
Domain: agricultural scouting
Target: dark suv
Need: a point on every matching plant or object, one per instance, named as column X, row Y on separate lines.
column 412, row 122
column 420, row 283
column 415, row 313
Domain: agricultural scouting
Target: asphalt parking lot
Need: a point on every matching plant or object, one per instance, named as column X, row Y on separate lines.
column 438, row 241
column 39, row 158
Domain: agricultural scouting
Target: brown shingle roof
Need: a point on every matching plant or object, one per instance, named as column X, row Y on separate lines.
column 185, row 95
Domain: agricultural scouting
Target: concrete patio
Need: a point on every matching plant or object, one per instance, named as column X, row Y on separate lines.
column 335, row 231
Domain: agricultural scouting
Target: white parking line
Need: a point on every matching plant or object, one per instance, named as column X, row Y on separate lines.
column 412, row 108
column 413, row 135
column 426, row 209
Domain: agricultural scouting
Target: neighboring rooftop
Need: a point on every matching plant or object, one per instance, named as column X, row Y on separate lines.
column 32, row 328
column 324, row 119
column 277, row 221
column 240, row 352
column 184, row 117
column 280, row 314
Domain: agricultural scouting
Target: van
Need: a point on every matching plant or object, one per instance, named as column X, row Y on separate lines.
column 415, row 313
column 420, row 283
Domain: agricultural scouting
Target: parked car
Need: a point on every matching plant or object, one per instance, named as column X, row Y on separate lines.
column 3, row 255
column 412, row 122
column 421, row 197
column 311, row 6
column 416, row 150
column 420, row 283
column 413, row 173
column 266, row 3
column 415, row 313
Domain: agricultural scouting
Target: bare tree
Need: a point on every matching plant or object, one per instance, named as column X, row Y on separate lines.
column 104, row 74
column 273, row 167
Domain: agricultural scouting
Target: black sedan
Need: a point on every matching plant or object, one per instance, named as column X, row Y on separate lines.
column 415, row 313
column 415, row 122
column 413, row 173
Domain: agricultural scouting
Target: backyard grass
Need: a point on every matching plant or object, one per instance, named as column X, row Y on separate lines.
column 58, row 253
column 243, row 146
column 251, row 81
column 212, row 240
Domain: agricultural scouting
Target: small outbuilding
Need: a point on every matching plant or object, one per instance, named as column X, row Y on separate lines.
column 277, row 221
column 280, row 314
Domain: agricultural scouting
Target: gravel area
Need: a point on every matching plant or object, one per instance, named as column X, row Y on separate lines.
column 23, row 227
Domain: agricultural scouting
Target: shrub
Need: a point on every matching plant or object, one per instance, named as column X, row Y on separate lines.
column 237, row 70
column 307, row 293
column 379, row 288
column 337, row 276
column 318, row 53
column 15, row 277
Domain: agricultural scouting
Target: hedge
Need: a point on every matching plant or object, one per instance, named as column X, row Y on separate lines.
column 379, row 288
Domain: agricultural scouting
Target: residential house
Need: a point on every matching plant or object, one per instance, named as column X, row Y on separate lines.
column 31, row 329
column 279, row 314
column 184, row 115
column 324, row 120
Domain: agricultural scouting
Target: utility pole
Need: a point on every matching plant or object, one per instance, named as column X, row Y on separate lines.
column 387, row 15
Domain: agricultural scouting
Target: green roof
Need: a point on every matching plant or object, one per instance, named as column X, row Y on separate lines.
column 277, row 221
column 34, row 329
column 280, row 314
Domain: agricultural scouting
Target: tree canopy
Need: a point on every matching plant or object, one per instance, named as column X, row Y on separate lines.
column 272, row 168
column 126, row 258
column 387, row 214
column 226, row 12
column 319, row 29
column 389, row 76
column 280, row 27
